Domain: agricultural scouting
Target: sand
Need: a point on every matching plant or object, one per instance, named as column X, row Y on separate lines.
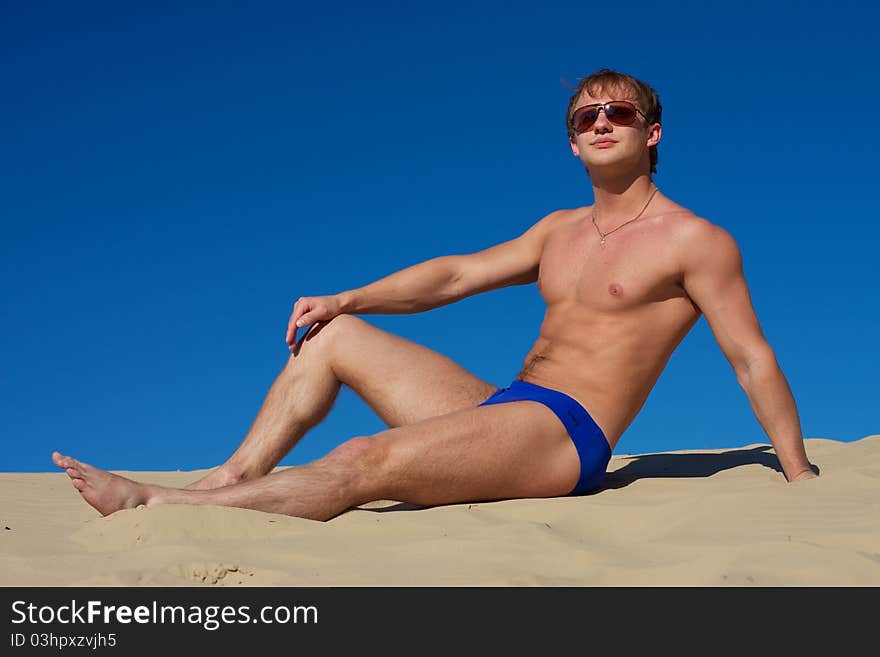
column 686, row 518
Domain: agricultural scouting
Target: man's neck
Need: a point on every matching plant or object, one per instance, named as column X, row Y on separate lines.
column 620, row 197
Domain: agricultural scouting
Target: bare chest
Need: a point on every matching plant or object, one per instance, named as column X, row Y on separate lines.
column 630, row 270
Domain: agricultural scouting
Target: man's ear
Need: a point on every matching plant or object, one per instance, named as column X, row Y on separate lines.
column 654, row 134
column 574, row 148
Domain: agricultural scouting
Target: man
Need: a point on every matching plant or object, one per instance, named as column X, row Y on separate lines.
column 624, row 280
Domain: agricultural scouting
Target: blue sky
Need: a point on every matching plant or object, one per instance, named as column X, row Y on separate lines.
column 173, row 177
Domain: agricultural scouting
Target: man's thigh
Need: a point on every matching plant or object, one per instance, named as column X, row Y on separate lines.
column 509, row 450
column 402, row 381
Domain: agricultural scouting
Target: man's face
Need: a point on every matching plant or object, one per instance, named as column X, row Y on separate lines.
column 614, row 148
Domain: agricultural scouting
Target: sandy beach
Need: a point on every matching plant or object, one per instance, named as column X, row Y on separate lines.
column 704, row 518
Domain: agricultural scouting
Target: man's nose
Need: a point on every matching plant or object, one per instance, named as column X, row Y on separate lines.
column 602, row 124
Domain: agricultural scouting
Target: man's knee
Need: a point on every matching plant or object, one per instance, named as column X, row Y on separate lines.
column 321, row 337
column 362, row 459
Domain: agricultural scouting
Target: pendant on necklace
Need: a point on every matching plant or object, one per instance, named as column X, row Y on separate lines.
column 602, row 240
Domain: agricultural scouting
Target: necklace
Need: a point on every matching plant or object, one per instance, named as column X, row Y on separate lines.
column 602, row 235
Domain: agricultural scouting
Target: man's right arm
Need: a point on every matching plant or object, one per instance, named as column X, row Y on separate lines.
column 433, row 283
column 447, row 279
column 415, row 289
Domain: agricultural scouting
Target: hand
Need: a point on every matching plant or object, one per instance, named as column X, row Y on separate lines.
column 308, row 310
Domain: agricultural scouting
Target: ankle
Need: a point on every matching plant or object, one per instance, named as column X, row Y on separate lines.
column 235, row 471
column 223, row 475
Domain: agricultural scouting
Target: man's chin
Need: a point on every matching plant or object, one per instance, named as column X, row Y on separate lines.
column 607, row 168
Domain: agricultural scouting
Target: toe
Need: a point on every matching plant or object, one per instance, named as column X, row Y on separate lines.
column 73, row 473
column 63, row 461
column 67, row 462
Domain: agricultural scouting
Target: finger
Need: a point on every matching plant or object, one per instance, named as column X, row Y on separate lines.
column 291, row 325
column 306, row 314
column 291, row 331
column 291, row 328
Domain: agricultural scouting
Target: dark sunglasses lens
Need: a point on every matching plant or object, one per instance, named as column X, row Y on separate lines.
column 620, row 113
column 584, row 119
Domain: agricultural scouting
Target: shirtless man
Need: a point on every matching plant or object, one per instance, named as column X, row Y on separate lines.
column 624, row 280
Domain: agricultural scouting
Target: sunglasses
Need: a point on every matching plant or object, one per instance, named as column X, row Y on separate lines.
column 619, row 112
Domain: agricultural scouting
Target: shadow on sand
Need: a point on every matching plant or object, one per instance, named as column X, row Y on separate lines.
column 654, row 466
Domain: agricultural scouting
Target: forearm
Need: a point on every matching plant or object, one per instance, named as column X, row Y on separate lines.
column 415, row 289
column 775, row 409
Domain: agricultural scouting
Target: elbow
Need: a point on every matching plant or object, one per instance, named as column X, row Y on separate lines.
column 754, row 363
column 466, row 278
column 457, row 284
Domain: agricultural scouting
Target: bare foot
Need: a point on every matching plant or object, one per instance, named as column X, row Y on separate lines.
column 225, row 475
column 105, row 491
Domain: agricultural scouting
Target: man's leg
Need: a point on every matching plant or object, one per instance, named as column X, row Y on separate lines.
column 402, row 381
column 515, row 449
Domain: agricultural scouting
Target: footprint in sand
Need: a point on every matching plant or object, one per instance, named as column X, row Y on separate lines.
column 224, row 574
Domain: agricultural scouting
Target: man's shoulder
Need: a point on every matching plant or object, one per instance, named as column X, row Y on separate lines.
column 701, row 231
column 688, row 228
column 554, row 220
column 700, row 240
column 564, row 214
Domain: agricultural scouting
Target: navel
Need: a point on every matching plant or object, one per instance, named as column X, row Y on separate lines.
column 615, row 290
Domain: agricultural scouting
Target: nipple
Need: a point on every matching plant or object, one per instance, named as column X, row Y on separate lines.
column 615, row 290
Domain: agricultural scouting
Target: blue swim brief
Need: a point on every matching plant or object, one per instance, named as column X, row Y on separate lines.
column 588, row 439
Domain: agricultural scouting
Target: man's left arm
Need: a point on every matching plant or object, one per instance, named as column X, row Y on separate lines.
column 713, row 278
